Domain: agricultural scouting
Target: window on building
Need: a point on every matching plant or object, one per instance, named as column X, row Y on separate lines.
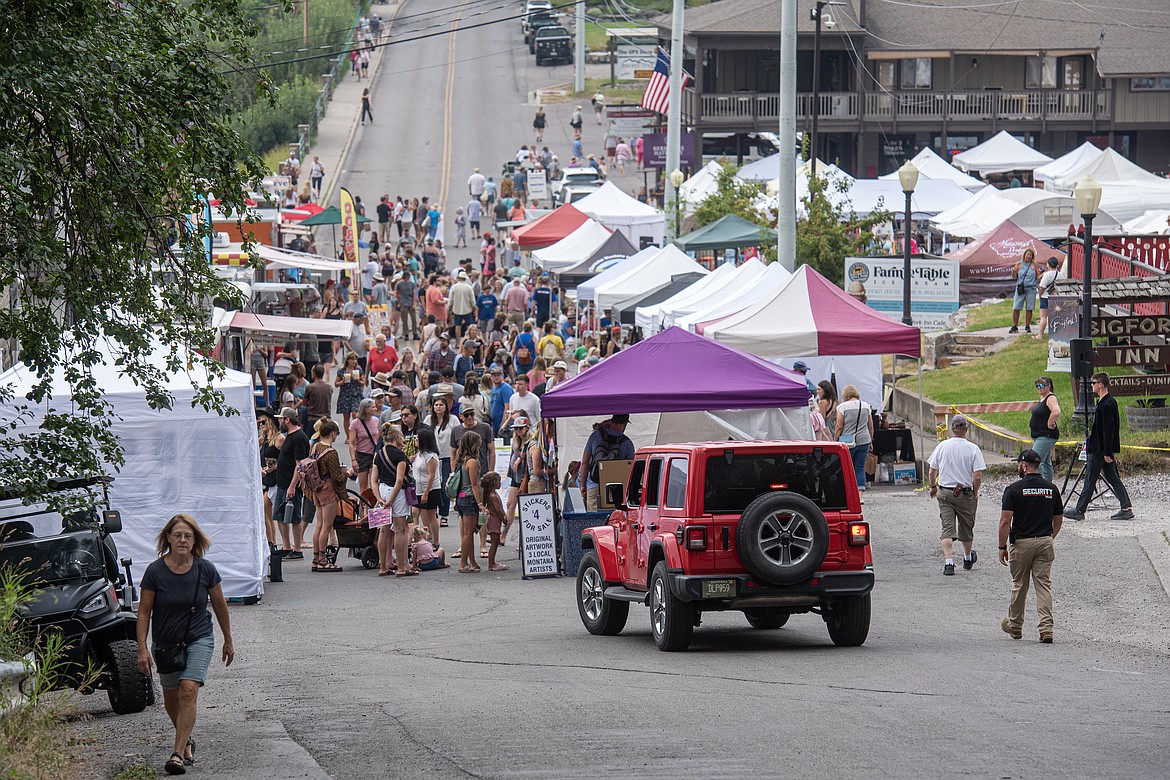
column 916, row 73
column 1040, row 72
column 885, row 74
column 1150, row 84
column 1072, row 72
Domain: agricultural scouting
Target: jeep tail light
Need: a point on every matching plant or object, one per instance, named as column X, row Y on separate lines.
column 778, row 486
column 859, row 534
column 696, row 537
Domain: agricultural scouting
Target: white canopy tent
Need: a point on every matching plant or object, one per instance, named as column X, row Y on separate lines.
column 931, row 167
column 1077, row 158
column 1151, row 223
column 1108, row 166
column 744, row 279
column 669, row 262
column 586, row 289
column 1127, row 200
column 929, row 198
column 573, row 248
column 1045, row 215
column 773, row 277
column 613, row 208
column 648, row 318
column 700, row 186
column 183, row 459
column 1001, row 153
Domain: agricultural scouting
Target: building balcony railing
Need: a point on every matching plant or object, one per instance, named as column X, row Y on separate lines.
column 905, row 105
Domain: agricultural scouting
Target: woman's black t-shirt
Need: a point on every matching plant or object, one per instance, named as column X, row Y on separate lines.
column 173, row 594
column 387, row 460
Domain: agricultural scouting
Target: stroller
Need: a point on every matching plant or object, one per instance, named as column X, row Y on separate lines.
column 353, row 530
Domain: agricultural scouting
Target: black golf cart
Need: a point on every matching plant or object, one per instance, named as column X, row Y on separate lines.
column 81, row 593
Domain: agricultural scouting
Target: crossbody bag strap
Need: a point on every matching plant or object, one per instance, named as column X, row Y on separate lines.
column 367, row 430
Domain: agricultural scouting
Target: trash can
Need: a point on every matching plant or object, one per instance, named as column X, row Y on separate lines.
column 572, row 524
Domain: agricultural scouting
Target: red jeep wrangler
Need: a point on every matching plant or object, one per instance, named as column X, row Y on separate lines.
column 768, row 528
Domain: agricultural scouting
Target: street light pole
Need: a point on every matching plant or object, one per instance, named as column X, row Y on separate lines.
column 816, row 93
column 676, row 180
column 1088, row 197
column 908, row 177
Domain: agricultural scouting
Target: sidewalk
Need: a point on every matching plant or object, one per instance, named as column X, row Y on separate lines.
column 337, row 128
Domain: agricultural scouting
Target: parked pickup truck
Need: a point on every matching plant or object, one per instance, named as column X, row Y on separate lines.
column 553, row 45
column 767, row 528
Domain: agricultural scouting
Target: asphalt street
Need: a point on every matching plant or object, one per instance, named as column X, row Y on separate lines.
column 453, row 675
column 487, row 675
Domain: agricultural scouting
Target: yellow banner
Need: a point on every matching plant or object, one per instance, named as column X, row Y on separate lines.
column 349, row 233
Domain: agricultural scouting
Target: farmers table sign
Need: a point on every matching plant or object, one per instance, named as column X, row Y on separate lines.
column 538, row 541
column 934, row 288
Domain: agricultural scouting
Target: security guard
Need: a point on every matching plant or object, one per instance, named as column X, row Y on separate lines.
column 1031, row 517
column 956, row 468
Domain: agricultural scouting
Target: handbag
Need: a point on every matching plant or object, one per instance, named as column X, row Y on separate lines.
column 455, row 483
column 169, row 660
column 849, row 438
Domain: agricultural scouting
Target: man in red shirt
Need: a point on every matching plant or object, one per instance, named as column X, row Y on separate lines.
column 437, row 303
column 382, row 357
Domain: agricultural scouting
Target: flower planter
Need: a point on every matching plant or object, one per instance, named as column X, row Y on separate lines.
column 1141, row 418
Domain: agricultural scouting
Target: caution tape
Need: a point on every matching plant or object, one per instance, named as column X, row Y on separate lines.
column 1067, row 444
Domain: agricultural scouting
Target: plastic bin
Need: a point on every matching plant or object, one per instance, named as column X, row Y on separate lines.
column 572, row 524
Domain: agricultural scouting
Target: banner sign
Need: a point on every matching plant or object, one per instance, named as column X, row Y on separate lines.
column 628, row 122
column 349, row 232
column 934, row 288
column 654, row 150
column 538, row 541
column 1120, row 327
column 1132, row 355
column 1064, row 322
column 538, row 185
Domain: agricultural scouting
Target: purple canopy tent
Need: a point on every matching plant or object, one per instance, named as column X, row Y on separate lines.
column 676, row 371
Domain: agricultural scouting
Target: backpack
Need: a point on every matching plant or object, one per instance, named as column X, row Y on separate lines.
column 549, row 351
column 455, row 483
column 607, row 449
column 524, row 353
column 309, row 472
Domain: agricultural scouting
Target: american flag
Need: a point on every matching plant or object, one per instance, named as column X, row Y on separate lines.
column 657, row 94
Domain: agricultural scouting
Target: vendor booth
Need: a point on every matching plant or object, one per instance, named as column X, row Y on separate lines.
column 549, row 229
column 985, row 265
column 643, row 224
column 569, row 251
column 728, row 232
column 623, row 311
column 932, row 167
column 183, row 459
column 812, row 319
column 666, row 263
column 738, row 284
column 616, row 249
column 739, row 298
column 1001, row 153
column 648, row 316
column 1047, row 174
column 1045, row 215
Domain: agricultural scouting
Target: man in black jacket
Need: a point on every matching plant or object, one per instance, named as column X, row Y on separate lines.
column 1101, row 449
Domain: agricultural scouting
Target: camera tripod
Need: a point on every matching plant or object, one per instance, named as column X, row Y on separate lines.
column 1102, row 499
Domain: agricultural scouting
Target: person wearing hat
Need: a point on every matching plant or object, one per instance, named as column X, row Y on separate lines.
column 382, row 359
column 557, row 374
column 956, row 472
column 379, row 293
column 462, row 300
column 442, row 356
column 607, row 442
column 286, row 509
column 802, row 368
column 1030, row 517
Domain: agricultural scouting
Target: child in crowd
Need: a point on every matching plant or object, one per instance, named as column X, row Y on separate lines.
column 495, row 516
column 425, row 556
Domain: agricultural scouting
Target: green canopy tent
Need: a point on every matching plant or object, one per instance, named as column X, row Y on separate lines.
column 729, row 232
column 330, row 216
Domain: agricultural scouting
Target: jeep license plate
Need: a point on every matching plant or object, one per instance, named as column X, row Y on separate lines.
column 717, row 588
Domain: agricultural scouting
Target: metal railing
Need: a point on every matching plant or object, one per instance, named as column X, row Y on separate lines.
column 1113, row 265
column 1048, row 105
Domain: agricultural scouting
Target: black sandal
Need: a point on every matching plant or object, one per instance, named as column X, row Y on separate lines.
column 174, row 765
column 189, row 760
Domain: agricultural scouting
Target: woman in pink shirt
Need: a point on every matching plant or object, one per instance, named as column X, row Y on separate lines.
column 437, row 302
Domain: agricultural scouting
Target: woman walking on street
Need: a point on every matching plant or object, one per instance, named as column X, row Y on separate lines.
column 390, row 475
column 855, row 428
column 538, row 123
column 443, row 425
column 366, row 107
column 576, row 121
column 326, row 499
column 425, row 471
column 175, row 592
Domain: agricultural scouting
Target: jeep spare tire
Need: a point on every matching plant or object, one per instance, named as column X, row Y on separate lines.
column 782, row 538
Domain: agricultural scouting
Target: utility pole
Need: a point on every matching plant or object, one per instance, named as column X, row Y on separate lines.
column 579, row 54
column 305, row 17
column 786, row 204
column 674, row 109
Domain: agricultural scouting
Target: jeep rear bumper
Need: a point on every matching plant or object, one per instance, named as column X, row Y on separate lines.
column 820, row 589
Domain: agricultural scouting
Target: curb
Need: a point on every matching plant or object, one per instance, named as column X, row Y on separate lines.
column 1157, row 550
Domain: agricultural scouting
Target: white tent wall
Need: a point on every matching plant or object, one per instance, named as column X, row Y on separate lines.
column 862, row 371
column 179, row 460
column 674, row 427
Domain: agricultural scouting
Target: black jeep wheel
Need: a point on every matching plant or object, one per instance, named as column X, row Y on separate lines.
column 601, row 616
column 849, row 621
column 370, row 557
column 766, row 618
column 782, row 538
column 129, row 689
column 672, row 621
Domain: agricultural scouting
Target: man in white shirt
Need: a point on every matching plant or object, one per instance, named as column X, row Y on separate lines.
column 523, row 402
column 956, row 472
column 462, row 299
column 371, row 268
column 475, row 184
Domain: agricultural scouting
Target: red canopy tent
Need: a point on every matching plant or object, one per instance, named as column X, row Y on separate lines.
column 985, row 265
column 550, row 228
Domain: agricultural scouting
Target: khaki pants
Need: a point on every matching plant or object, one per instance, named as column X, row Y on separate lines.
column 592, row 499
column 516, row 318
column 957, row 514
column 1031, row 557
